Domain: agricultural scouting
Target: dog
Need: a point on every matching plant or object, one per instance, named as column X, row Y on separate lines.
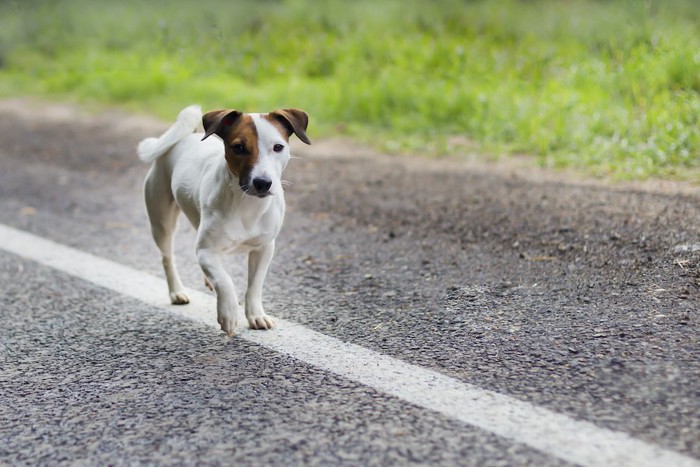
column 230, row 189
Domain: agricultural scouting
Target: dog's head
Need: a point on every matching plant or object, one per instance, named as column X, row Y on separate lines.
column 257, row 145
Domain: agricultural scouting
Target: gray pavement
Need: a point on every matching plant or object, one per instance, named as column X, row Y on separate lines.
column 95, row 378
column 581, row 299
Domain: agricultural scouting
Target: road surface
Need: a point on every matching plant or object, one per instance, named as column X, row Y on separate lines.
column 522, row 318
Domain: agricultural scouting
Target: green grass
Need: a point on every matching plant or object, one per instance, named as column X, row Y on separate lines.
column 611, row 87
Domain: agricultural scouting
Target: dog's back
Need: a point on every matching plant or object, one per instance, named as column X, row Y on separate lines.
column 187, row 122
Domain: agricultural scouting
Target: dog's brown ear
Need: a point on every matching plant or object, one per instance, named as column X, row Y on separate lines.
column 218, row 121
column 294, row 120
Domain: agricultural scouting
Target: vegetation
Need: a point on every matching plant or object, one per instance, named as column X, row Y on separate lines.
column 609, row 86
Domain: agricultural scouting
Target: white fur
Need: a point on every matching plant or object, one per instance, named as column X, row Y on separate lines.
column 191, row 176
column 187, row 121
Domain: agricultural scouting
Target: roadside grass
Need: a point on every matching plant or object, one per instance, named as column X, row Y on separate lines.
column 612, row 87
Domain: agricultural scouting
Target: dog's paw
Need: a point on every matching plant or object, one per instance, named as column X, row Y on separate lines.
column 179, row 298
column 262, row 321
column 228, row 323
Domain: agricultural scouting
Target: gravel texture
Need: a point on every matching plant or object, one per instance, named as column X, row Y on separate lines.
column 582, row 297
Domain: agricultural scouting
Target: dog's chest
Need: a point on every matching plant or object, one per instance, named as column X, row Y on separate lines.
column 250, row 230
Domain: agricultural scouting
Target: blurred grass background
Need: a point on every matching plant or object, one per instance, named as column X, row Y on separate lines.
column 611, row 87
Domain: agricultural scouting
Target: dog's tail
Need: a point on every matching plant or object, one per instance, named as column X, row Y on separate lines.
column 187, row 122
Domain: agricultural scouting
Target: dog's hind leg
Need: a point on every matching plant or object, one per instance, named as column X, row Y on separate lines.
column 163, row 213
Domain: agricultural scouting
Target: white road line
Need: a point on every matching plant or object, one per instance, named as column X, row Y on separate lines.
column 572, row 440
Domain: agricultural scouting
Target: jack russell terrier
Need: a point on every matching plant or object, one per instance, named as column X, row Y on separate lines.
column 230, row 191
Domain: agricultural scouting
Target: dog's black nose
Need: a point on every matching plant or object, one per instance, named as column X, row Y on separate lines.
column 262, row 185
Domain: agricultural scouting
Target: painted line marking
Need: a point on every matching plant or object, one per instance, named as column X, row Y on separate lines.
column 555, row 434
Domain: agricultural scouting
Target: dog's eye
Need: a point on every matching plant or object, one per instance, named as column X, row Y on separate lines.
column 278, row 147
column 238, row 148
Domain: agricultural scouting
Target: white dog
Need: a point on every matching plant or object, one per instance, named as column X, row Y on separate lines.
column 231, row 192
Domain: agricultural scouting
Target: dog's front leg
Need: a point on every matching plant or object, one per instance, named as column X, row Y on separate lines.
column 226, row 300
column 258, row 263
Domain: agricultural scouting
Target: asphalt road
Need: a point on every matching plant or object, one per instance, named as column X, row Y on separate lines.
column 581, row 298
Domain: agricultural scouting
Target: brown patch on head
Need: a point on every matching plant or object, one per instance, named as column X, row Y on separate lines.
column 240, row 137
column 290, row 121
column 241, row 145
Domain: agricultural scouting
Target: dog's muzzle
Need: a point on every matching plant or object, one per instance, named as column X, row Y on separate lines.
column 260, row 187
